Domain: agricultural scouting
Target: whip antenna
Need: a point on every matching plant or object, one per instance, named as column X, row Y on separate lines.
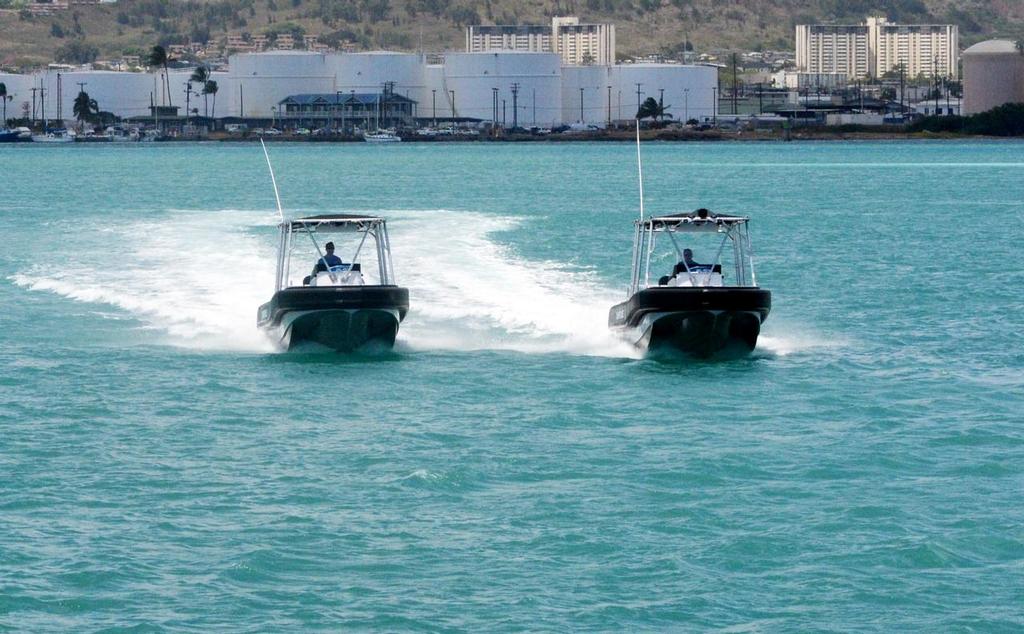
column 277, row 195
column 639, row 168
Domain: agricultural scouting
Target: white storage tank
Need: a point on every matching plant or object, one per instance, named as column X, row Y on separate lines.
column 475, row 79
column 19, row 93
column 688, row 92
column 587, row 95
column 368, row 72
column 993, row 75
column 259, row 81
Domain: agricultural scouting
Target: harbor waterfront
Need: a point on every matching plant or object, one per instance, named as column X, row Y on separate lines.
column 511, row 464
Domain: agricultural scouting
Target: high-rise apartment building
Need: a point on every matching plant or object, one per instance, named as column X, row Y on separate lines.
column 878, row 47
column 577, row 44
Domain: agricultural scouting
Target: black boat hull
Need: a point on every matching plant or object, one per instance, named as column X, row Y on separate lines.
column 344, row 318
column 702, row 322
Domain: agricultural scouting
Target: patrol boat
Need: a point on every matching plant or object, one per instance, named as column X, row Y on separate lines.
column 342, row 307
column 338, row 305
column 695, row 310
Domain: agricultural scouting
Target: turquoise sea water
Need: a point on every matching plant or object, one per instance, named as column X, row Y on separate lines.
column 512, row 466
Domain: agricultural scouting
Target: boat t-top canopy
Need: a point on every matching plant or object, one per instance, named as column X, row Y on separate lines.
column 333, row 223
column 699, row 220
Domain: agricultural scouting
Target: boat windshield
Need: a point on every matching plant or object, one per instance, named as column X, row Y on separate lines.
column 317, row 252
column 692, row 250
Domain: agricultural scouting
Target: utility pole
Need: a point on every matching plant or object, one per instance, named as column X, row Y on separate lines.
column 433, row 103
column 515, row 105
column 661, row 103
column 935, row 81
column 60, row 105
column 453, row 105
column 494, row 108
column 686, row 105
column 735, row 84
column 241, row 101
column 188, row 101
column 760, row 98
column 638, row 100
column 42, row 103
column 33, row 90
column 581, row 105
column 609, row 122
column 504, row 125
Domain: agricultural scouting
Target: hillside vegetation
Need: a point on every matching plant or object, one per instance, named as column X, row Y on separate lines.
column 643, row 26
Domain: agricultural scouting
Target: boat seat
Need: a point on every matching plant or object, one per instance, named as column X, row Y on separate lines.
column 341, row 278
column 702, row 278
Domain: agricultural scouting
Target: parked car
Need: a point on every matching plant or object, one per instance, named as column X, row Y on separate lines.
column 302, row 132
column 271, row 132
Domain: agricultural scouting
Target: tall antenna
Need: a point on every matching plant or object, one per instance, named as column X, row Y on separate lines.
column 273, row 180
column 639, row 168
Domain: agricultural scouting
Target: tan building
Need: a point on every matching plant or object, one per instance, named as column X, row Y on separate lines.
column 993, row 76
column 577, row 44
column 877, row 47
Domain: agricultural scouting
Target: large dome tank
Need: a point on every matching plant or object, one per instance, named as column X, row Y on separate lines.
column 993, row 75
column 475, row 78
column 264, row 79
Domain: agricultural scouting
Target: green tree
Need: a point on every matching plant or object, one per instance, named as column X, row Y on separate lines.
column 210, row 88
column 651, row 109
column 4, row 97
column 77, row 52
column 158, row 57
column 200, row 76
column 85, row 108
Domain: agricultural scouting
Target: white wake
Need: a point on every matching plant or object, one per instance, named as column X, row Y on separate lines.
column 197, row 278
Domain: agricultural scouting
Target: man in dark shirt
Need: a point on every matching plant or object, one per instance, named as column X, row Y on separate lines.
column 329, row 259
column 687, row 263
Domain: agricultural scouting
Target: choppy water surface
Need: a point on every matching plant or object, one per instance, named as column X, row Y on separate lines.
column 511, row 465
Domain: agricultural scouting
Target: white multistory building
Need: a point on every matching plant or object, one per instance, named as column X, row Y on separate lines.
column 576, row 43
column 878, row 47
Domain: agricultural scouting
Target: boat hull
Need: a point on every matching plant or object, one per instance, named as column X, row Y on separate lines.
column 702, row 322
column 343, row 318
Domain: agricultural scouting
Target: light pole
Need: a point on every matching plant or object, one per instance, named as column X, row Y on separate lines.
column 433, row 103
column 515, row 106
column 453, row 105
column 581, row 105
column 609, row 122
column 494, row 108
column 686, row 105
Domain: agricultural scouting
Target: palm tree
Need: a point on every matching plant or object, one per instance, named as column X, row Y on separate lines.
column 200, row 76
column 4, row 98
column 85, row 108
column 158, row 57
column 651, row 108
column 210, row 88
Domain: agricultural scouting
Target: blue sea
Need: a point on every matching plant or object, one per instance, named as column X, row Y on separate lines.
column 511, row 465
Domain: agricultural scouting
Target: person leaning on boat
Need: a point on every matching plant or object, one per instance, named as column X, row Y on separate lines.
column 328, row 261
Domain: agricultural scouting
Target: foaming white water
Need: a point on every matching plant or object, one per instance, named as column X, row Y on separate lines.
column 783, row 339
column 469, row 292
column 197, row 277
